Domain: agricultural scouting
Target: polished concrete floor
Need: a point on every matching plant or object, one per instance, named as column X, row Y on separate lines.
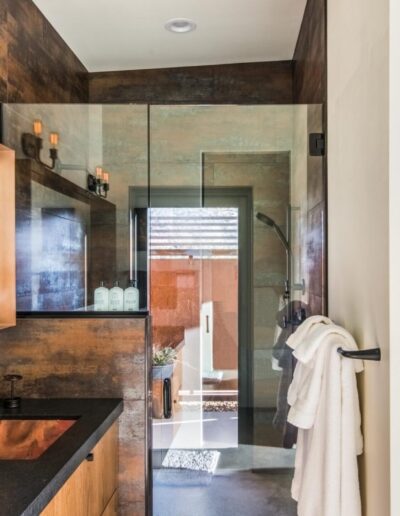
column 243, row 493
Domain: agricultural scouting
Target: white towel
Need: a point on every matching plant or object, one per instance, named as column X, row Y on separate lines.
column 304, row 329
column 325, row 407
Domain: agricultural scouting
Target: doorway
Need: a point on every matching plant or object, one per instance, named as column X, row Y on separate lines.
column 201, row 304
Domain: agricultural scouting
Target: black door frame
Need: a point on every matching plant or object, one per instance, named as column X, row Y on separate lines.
column 242, row 198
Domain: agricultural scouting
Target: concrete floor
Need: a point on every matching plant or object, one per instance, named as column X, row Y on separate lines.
column 243, row 493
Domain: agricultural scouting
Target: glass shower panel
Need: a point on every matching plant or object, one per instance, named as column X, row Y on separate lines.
column 236, row 240
column 73, row 234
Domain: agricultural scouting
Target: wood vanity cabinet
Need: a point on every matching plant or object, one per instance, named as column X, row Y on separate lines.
column 92, row 489
column 7, row 240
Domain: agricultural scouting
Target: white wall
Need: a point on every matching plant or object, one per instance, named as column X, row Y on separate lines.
column 394, row 200
column 358, row 201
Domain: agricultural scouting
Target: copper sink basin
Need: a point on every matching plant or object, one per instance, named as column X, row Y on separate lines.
column 28, row 439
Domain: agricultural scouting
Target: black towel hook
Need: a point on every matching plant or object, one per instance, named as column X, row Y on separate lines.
column 363, row 354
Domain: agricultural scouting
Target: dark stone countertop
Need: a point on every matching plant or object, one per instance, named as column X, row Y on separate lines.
column 26, row 486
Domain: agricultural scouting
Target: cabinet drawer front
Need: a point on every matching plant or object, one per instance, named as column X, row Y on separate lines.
column 104, row 471
column 92, row 487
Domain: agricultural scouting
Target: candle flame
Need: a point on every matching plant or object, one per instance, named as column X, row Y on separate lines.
column 37, row 127
column 54, row 139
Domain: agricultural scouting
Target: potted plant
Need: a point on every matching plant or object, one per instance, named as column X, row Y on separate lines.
column 163, row 363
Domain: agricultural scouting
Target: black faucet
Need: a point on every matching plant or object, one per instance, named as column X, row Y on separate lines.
column 13, row 401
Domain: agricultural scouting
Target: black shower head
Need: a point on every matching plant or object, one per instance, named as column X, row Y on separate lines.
column 267, row 220
column 272, row 224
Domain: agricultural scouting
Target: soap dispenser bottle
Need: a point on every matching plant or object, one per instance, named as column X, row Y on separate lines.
column 101, row 295
column 116, row 299
column 131, row 297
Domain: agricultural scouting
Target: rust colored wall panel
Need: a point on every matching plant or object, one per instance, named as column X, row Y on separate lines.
column 246, row 83
column 175, row 303
column 309, row 60
column 310, row 87
column 36, row 65
column 84, row 358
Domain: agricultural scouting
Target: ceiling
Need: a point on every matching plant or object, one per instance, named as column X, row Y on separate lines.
column 130, row 34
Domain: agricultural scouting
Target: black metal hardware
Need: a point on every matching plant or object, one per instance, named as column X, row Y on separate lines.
column 298, row 317
column 90, row 457
column 92, row 183
column 167, row 398
column 13, row 401
column 53, row 157
column 97, row 186
column 317, row 144
column 363, row 354
column 32, row 146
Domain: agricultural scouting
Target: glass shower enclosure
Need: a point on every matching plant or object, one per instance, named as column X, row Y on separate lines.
column 217, row 213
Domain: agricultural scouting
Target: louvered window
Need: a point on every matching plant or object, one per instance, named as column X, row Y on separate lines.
column 177, row 233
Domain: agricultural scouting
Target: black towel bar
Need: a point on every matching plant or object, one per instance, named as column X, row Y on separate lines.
column 363, row 354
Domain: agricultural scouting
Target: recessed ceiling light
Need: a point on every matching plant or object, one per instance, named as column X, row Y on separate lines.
column 180, row 25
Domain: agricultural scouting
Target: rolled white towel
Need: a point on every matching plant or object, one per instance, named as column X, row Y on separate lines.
column 304, row 329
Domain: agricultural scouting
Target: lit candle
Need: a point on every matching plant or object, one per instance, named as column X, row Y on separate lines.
column 37, row 127
column 106, row 177
column 54, row 139
column 99, row 173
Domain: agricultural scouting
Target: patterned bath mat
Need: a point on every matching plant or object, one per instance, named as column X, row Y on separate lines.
column 187, row 468
column 194, row 460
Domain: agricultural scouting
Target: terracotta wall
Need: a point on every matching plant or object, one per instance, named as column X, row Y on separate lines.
column 178, row 287
column 88, row 358
column 36, row 65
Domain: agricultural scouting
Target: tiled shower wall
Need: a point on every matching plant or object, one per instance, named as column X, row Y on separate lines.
column 268, row 175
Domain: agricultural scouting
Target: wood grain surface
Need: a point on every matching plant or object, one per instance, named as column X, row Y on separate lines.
column 245, row 83
column 36, row 65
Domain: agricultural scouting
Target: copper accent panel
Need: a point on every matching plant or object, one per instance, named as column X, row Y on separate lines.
column 28, row 439
column 7, row 240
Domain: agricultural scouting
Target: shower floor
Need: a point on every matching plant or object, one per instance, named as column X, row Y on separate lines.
column 236, row 494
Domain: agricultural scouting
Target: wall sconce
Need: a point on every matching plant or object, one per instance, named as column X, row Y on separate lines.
column 32, row 144
column 99, row 184
column 53, row 138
